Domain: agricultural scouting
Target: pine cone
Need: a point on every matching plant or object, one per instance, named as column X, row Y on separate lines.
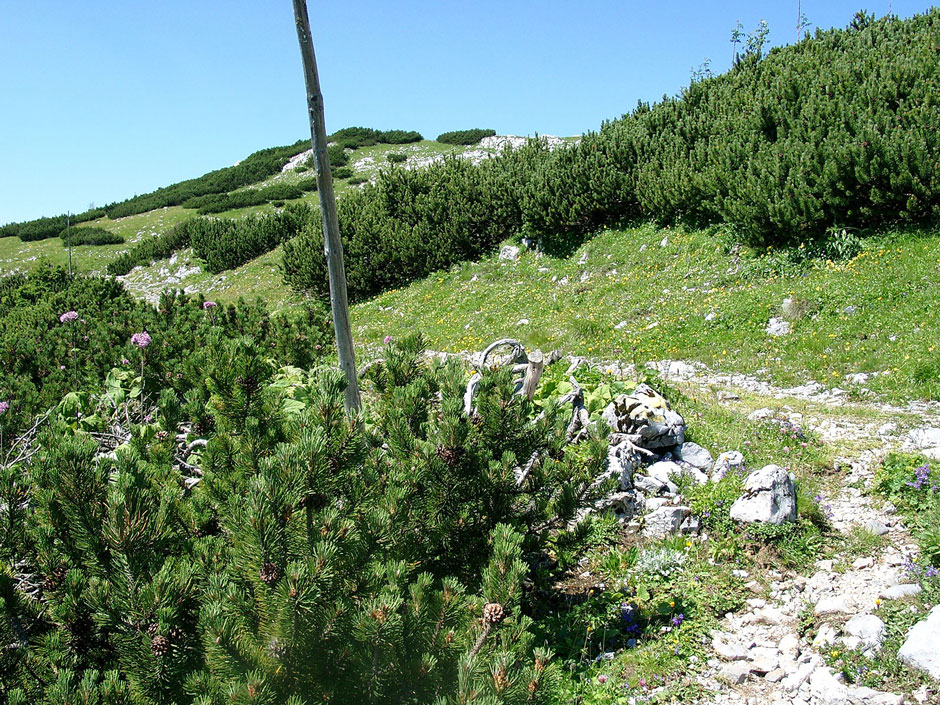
column 269, row 573
column 175, row 634
column 449, row 455
column 493, row 613
column 159, row 645
column 53, row 581
column 153, row 629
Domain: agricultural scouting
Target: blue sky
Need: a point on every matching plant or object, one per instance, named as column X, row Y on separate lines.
column 104, row 99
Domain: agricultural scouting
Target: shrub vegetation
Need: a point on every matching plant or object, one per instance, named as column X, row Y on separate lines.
column 226, row 243
column 90, row 236
column 465, row 137
column 838, row 131
column 255, row 167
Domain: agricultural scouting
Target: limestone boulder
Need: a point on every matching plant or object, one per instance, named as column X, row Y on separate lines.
column 769, row 497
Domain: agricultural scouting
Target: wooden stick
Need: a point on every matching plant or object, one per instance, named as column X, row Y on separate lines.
column 332, row 244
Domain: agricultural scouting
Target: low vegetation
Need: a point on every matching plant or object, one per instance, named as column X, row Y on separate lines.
column 90, row 236
column 465, row 137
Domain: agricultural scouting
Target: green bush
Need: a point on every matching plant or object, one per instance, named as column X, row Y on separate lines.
column 44, row 228
column 226, row 243
column 342, row 172
column 356, row 137
column 465, row 137
column 150, row 249
column 400, row 137
column 43, row 358
column 784, row 149
column 318, row 557
column 90, row 236
column 409, row 224
column 338, row 156
column 254, row 168
column 396, row 157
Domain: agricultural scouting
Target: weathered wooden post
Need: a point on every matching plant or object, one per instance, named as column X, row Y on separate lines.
column 332, row 245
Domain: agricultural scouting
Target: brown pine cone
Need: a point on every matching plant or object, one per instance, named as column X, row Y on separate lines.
column 449, row 455
column 159, row 645
column 493, row 613
column 269, row 573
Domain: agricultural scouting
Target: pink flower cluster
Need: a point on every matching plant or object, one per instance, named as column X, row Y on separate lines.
column 206, row 305
column 4, row 407
column 68, row 316
column 141, row 340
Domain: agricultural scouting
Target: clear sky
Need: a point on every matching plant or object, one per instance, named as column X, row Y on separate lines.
column 103, row 99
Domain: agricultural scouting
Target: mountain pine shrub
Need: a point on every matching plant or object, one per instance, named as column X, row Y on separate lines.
column 465, row 137
column 301, row 555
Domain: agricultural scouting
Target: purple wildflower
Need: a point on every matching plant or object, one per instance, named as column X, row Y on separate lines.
column 68, row 317
column 4, row 407
column 388, row 339
column 125, row 361
column 921, row 476
column 931, row 572
column 141, row 340
column 206, row 305
column 678, row 619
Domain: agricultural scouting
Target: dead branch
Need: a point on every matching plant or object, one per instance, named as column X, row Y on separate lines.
column 518, row 350
column 472, row 385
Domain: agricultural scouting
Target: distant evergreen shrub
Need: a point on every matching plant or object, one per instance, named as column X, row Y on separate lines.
column 356, row 137
column 150, row 249
column 254, row 168
column 396, row 157
column 465, row 137
column 89, row 236
column 226, row 243
column 342, row 172
column 837, row 131
column 400, row 137
column 356, row 180
column 338, row 156
column 44, row 228
column 410, row 223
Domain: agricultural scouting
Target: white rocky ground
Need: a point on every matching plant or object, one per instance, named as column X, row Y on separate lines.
column 757, row 655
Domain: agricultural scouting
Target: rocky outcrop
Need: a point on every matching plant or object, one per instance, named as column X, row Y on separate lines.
column 769, row 497
column 645, row 419
column 920, row 649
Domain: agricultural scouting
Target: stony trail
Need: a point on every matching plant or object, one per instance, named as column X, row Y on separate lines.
column 758, row 655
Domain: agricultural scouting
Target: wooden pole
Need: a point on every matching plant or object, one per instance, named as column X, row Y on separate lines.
column 68, row 239
column 332, row 245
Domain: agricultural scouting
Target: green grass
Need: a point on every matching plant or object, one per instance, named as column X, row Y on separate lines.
column 624, row 296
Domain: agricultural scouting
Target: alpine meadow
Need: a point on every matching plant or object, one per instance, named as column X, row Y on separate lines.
column 648, row 415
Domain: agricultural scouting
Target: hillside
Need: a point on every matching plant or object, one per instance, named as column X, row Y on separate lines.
column 258, row 278
column 650, row 415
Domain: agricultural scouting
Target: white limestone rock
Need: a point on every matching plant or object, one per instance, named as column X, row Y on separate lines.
column 867, row 628
column 664, row 521
column 769, row 496
column 920, row 649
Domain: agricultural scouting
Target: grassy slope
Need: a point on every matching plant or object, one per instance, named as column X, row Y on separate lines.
column 260, row 277
column 624, row 295
column 644, row 293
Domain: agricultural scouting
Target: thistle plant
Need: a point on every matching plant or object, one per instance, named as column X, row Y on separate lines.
column 142, row 340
